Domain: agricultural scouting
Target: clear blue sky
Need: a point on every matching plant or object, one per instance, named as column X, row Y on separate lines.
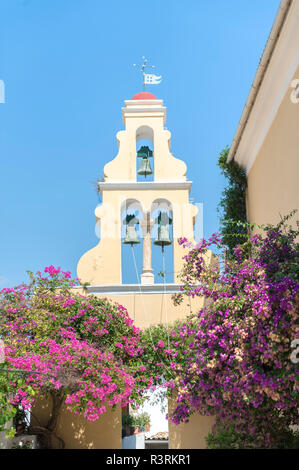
column 66, row 62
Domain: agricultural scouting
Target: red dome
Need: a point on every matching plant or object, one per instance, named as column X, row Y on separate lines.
column 144, row 95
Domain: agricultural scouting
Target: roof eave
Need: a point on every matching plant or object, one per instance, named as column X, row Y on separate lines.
column 260, row 73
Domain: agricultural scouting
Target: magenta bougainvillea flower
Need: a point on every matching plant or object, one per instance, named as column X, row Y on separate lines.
column 232, row 359
column 238, row 366
column 82, row 349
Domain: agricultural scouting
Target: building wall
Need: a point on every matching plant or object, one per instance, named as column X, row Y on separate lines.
column 102, row 264
column 142, row 119
column 133, row 442
column 273, row 188
column 152, row 309
column 190, row 435
column 79, row 433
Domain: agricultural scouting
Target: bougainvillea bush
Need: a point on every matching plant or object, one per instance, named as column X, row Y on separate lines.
column 239, row 365
column 80, row 350
column 232, row 359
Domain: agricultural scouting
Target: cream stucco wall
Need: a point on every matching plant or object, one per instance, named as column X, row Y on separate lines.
column 191, row 435
column 152, row 309
column 79, row 433
column 273, row 188
column 92, row 267
column 142, row 119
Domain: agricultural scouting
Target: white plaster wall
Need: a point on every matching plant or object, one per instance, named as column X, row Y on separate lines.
column 133, row 442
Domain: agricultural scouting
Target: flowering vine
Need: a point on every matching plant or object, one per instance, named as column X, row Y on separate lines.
column 232, row 359
column 80, row 350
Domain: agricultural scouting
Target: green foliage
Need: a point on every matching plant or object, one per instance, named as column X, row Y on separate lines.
column 127, row 419
column 144, row 419
column 7, row 410
column 21, row 417
column 160, row 350
column 225, row 436
column 232, row 206
column 133, row 420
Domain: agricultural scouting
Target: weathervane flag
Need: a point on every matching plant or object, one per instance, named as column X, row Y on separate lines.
column 150, row 79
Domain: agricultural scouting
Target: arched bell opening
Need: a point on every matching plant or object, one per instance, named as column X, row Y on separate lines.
column 162, row 241
column 131, row 241
column 145, row 154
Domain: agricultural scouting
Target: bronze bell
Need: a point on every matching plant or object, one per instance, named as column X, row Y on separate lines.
column 163, row 237
column 145, row 168
column 131, row 237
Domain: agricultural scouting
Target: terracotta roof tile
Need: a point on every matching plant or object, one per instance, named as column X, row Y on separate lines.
column 160, row 436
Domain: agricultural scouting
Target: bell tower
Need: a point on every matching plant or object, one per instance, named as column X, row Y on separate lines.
column 145, row 203
column 137, row 205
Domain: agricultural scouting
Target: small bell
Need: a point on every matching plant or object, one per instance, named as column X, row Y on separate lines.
column 131, row 237
column 145, row 168
column 163, row 237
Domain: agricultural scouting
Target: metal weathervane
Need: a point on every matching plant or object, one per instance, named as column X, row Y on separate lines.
column 148, row 78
